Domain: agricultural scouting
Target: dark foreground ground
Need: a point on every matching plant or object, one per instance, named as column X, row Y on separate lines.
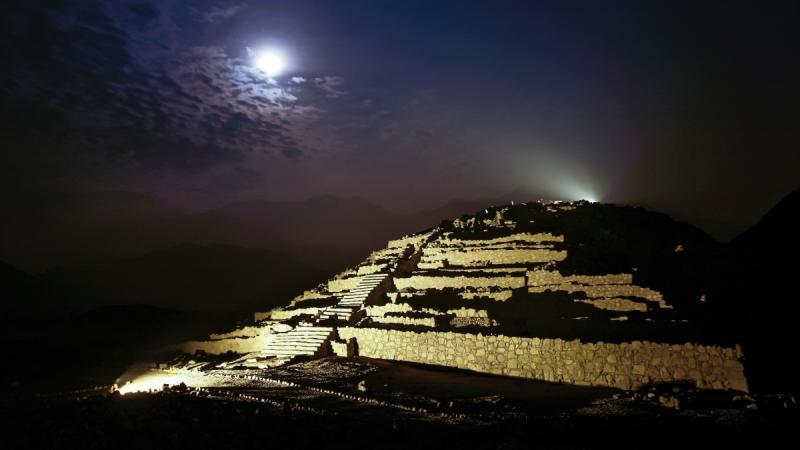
column 408, row 407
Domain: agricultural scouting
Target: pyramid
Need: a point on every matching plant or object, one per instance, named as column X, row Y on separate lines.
column 568, row 292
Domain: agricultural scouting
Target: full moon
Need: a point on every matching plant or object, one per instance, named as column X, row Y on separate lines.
column 269, row 62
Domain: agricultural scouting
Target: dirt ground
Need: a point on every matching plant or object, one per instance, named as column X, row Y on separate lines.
column 340, row 403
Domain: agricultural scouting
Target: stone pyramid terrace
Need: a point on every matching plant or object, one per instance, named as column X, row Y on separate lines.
column 504, row 292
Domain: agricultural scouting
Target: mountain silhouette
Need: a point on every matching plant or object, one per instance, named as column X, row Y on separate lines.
column 188, row 277
column 760, row 300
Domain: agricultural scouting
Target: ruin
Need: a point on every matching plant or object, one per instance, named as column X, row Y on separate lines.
column 529, row 290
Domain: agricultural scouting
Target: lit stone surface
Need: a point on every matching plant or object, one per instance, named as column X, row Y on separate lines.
column 449, row 283
column 442, row 282
column 219, row 346
column 605, row 291
column 625, row 365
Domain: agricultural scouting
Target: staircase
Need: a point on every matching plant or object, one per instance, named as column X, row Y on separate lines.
column 354, row 300
column 304, row 340
column 311, row 340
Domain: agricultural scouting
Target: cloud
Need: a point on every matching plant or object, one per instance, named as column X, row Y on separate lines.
column 332, row 86
column 160, row 95
column 96, row 66
column 217, row 13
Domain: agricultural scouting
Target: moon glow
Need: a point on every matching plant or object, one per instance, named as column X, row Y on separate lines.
column 269, row 62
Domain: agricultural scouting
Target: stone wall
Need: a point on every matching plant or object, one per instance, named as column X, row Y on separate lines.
column 606, row 291
column 616, row 304
column 416, row 240
column 500, row 296
column 371, row 268
column 284, row 314
column 339, row 348
column 625, row 365
column 379, row 311
column 551, row 277
column 418, row 282
column 399, row 320
column 460, row 322
column 219, row 346
column 258, row 316
column 516, row 237
column 241, row 332
column 514, row 271
column 434, row 257
column 343, row 284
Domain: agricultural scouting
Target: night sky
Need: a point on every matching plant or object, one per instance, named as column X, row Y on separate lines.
column 409, row 104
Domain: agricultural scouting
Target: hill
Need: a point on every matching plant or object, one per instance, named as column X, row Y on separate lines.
column 328, row 232
column 189, row 277
column 763, row 302
column 570, row 292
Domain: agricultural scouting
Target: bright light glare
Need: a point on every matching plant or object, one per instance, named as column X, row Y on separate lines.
column 269, row 62
column 574, row 190
column 152, row 382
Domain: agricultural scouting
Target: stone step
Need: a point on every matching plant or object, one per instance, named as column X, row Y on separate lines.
column 336, row 315
column 316, row 337
column 287, row 355
column 296, row 341
column 290, row 346
column 301, row 343
column 302, row 330
column 303, row 334
column 305, row 340
column 282, row 348
column 298, row 338
column 306, row 331
column 311, row 336
column 311, row 326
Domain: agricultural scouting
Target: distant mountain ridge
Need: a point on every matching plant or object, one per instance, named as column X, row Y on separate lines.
column 776, row 232
column 764, row 298
column 328, row 232
column 186, row 277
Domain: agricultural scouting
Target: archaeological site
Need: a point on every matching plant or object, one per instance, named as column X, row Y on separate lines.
column 574, row 293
